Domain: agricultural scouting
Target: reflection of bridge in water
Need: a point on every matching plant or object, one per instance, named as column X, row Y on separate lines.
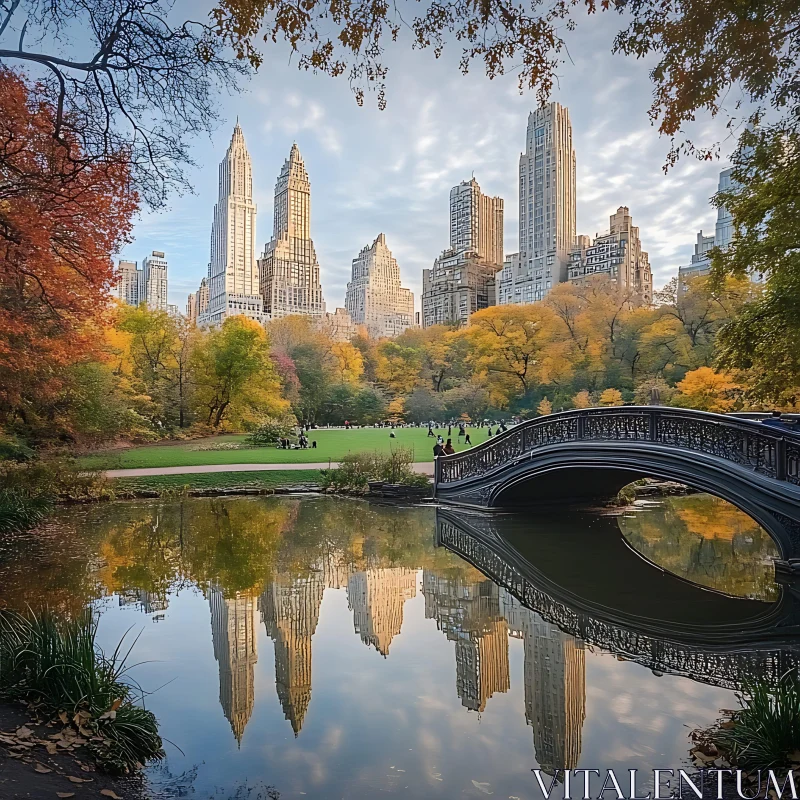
column 592, row 453
column 634, row 610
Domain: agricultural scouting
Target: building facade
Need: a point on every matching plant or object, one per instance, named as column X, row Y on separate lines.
column 723, row 236
column 339, row 325
column 476, row 221
column 547, row 207
column 375, row 297
column 197, row 303
column 154, row 268
column 462, row 279
column 617, row 254
column 289, row 271
column 148, row 285
column 232, row 271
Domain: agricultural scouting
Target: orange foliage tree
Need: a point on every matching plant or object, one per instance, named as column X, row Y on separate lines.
column 61, row 218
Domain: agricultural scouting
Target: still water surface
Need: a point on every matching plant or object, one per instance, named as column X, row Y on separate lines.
column 328, row 649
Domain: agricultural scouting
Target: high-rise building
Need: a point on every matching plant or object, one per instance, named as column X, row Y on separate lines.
column 232, row 271
column 722, row 238
column 374, row 296
column 129, row 280
column 155, row 280
column 476, row 221
column 147, row 285
column 547, row 208
column 197, row 303
column 618, row 255
column 461, row 280
column 289, row 271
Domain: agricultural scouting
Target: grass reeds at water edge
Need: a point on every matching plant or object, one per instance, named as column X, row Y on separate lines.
column 765, row 732
column 55, row 664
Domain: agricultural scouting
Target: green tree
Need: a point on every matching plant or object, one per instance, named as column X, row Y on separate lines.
column 235, row 378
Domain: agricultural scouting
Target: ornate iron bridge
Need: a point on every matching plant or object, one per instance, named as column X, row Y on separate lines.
column 762, row 649
column 589, row 454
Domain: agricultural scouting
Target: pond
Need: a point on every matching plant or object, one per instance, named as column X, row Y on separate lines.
column 323, row 648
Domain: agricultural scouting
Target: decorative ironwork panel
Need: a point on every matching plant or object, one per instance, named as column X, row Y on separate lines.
column 555, row 431
column 793, row 463
column 741, row 446
column 615, row 426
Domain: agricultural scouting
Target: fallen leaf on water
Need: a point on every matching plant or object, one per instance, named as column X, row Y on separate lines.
column 110, row 793
column 52, row 748
column 24, row 732
column 41, row 768
column 62, row 715
column 73, row 779
column 65, row 795
column 482, row 787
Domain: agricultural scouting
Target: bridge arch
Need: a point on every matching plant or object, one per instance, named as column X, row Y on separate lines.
column 590, row 454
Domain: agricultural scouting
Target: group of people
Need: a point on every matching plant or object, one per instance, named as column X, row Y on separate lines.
column 285, row 443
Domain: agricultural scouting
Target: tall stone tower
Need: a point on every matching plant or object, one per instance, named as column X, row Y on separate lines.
column 232, row 271
column 547, row 207
column 289, row 271
column 374, row 296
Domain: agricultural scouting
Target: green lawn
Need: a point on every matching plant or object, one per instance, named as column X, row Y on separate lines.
column 219, row 480
column 331, row 445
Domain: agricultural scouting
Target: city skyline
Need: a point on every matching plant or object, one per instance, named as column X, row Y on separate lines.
column 386, row 171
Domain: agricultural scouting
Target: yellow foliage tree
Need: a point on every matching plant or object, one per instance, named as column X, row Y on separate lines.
column 348, row 362
column 707, row 390
column 513, row 349
column 611, row 397
column 582, row 400
column 545, row 407
column 397, row 409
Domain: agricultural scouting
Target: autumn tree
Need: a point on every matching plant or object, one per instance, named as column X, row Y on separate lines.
column 60, row 220
column 513, row 349
column 234, row 375
column 610, row 397
column 121, row 76
column 707, row 390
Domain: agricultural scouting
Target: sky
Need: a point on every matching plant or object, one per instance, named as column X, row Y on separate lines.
column 391, row 171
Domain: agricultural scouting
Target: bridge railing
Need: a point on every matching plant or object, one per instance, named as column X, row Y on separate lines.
column 746, row 443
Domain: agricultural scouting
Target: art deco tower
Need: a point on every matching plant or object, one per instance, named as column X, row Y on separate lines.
column 289, row 272
column 375, row 297
column 547, row 207
column 232, row 271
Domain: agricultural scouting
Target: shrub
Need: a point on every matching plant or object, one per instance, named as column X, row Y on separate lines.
column 356, row 470
column 54, row 662
column 766, row 730
column 272, row 429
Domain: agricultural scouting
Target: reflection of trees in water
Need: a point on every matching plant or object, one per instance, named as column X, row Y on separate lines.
column 708, row 541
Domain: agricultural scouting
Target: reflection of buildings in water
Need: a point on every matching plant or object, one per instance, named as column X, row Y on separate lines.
column 290, row 611
column 469, row 614
column 376, row 598
column 555, row 686
column 233, row 628
column 148, row 602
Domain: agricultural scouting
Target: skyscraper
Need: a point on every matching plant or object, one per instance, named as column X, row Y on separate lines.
column 147, row 285
column 374, row 296
column 197, row 303
column 154, row 268
column 476, row 221
column 461, row 280
column 547, row 207
column 618, row 255
column 232, row 271
column 289, row 271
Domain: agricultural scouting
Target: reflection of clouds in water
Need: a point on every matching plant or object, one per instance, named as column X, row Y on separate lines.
column 635, row 719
